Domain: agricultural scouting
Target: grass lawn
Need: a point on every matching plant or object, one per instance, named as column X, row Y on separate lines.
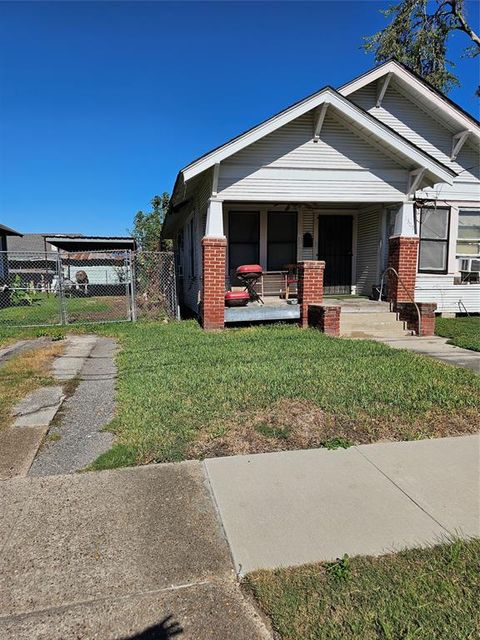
column 185, row 393
column 463, row 332
column 429, row 594
column 46, row 310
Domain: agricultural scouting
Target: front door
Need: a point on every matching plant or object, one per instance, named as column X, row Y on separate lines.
column 335, row 247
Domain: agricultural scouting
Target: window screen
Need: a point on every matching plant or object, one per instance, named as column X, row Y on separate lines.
column 468, row 242
column 281, row 240
column 243, row 238
column 434, row 229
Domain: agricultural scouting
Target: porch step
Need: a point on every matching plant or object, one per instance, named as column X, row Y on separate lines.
column 372, row 325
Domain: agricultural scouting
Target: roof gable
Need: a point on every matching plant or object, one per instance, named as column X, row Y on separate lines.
column 328, row 98
column 412, row 83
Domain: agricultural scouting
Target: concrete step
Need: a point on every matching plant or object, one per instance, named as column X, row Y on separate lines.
column 375, row 325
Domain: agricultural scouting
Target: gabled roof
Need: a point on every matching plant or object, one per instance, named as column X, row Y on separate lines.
column 438, row 102
column 348, row 109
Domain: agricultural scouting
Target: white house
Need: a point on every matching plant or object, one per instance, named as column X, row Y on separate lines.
column 383, row 171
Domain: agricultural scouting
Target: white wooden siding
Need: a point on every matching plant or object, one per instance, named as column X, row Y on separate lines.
column 451, row 298
column 191, row 283
column 368, row 247
column 308, row 253
column 289, row 165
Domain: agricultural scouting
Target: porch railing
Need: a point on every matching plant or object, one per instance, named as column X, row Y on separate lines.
column 400, row 281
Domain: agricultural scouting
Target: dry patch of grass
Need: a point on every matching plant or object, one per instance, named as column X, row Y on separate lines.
column 302, row 424
column 24, row 373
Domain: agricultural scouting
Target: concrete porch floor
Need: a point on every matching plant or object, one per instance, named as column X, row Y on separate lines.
column 276, row 308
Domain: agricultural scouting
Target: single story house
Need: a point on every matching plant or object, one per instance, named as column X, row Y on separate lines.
column 380, row 172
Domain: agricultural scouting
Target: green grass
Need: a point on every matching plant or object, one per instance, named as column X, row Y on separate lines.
column 46, row 310
column 428, row 594
column 463, row 332
column 185, row 393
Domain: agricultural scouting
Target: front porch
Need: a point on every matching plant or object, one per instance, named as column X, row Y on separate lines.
column 307, row 253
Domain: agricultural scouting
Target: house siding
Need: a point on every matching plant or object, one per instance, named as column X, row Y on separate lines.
column 289, row 165
column 429, row 134
column 449, row 297
column 368, row 247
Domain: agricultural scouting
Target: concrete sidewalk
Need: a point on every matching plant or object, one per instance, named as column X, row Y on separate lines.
column 290, row 508
column 106, row 555
column 438, row 348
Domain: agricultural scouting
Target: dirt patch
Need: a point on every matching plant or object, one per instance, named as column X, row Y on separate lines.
column 300, row 424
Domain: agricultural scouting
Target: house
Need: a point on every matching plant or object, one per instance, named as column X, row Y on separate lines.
column 5, row 232
column 381, row 172
column 36, row 257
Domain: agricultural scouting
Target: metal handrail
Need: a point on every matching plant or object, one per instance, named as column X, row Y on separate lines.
column 406, row 291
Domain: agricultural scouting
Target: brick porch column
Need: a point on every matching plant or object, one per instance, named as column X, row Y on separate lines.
column 310, row 286
column 402, row 256
column 214, row 252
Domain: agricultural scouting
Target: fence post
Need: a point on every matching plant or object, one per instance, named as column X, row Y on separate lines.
column 61, row 291
column 133, row 303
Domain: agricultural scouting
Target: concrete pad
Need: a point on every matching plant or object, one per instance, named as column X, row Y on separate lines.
column 69, row 365
column 289, row 508
column 442, row 476
column 204, row 611
column 438, row 348
column 38, row 408
column 18, row 448
column 109, row 534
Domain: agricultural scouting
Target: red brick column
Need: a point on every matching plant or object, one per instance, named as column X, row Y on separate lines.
column 310, row 286
column 325, row 317
column 213, row 282
column 402, row 256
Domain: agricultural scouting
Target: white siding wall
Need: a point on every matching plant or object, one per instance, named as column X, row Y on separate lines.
column 191, row 282
column 452, row 298
column 289, row 165
column 412, row 122
column 308, row 253
column 368, row 249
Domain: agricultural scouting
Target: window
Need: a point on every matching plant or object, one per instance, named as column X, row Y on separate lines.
column 192, row 246
column 434, row 230
column 281, row 240
column 468, row 242
column 243, row 235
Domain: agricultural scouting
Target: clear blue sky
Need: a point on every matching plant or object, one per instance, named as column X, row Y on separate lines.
column 102, row 103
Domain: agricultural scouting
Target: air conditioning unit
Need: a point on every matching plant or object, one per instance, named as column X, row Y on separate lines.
column 470, row 264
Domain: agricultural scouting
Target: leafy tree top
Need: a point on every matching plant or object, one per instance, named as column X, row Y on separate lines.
column 418, row 36
column 147, row 227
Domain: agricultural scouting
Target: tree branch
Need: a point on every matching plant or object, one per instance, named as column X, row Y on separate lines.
column 463, row 25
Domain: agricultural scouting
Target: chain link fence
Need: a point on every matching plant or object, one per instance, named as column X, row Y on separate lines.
column 59, row 288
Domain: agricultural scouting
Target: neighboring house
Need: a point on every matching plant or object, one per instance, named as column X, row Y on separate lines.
column 5, row 232
column 35, row 257
column 382, row 171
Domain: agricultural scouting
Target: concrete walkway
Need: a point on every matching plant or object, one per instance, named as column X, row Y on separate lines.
column 106, row 555
column 290, row 508
column 83, row 415
column 437, row 348
column 109, row 554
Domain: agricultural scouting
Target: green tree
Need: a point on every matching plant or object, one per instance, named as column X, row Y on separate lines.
column 418, row 37
column 147, row 227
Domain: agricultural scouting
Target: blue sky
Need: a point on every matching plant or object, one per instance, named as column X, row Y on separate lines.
column 102, row 103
